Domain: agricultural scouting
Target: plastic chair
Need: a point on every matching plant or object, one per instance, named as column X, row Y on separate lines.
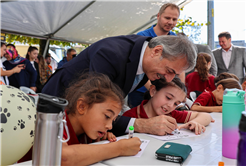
column 188, row 102
column 193, row 96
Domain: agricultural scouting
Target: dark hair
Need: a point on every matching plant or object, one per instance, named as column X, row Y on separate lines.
column 70, row 50
column 3, row 44
column 30, row 49
column 229, row 83
column 94, row 88
column 225, row 34
column 166, row 5
column 202, row 61
column 47, row 55
column 10, row 45
column 225, row 75
column 162, row 83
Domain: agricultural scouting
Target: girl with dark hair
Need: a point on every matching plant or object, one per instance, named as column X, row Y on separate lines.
column 162, row 99
column 32, row 54
column 200, row 79
column 27, row 76
column 211, row 101
column 225, row 75
column 94, row 104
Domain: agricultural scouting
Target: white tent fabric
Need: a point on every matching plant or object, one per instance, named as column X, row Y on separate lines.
column 79, row 21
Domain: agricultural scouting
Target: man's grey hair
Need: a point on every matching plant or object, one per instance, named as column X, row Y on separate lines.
column 176, row 47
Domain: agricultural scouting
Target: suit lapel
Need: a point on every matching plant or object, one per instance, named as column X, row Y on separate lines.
column 233, row 56
column 132, row 65
column 221, row 59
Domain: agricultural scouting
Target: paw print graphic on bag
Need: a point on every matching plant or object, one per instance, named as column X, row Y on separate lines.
column 18, row 116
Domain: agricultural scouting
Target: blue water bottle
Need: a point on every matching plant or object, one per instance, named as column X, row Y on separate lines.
column 241, row 154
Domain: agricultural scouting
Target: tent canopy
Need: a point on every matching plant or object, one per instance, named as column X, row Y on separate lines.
column 79, row 21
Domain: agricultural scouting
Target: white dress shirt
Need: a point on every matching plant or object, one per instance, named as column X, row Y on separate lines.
column 226, row 55
column 139, row 72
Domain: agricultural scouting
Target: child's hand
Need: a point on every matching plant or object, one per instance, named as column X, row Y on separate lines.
column 111, row 137
column 129, row 147
column 194, row 126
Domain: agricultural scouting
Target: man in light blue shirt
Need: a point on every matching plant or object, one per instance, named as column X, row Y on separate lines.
column 166, row 20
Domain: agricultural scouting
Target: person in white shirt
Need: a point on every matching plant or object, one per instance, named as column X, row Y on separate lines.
column 230, row 58
column 5, row 73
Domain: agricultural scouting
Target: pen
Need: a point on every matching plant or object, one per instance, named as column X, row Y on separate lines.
column 176, row 131
column 131, row 131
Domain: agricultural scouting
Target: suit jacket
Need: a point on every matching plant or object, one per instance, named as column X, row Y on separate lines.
column 117, row 57
column 206, row 49
column 237, row 62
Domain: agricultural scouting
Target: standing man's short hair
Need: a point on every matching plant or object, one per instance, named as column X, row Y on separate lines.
column 70, row 50
column 227, row 35
column 172, row 5
column 47, row 55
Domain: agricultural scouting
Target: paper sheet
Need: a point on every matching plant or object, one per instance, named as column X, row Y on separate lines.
column 182, row 134
column 142, row 146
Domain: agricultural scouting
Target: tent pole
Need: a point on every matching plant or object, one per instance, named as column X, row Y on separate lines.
column 46, row 47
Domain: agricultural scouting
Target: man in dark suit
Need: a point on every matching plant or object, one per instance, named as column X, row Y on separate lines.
column 230, row 58
column 125, row 59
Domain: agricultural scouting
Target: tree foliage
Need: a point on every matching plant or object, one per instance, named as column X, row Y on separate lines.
column 11, row 38
column 191, row 28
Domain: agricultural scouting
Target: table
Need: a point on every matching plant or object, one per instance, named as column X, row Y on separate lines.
column 206, row 149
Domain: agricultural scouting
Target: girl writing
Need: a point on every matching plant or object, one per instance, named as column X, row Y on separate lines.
column 94, row 103
column 200, row 79
column 162, row 98
column 211, row 101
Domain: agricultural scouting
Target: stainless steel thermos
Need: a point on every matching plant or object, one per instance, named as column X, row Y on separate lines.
column 49, row 130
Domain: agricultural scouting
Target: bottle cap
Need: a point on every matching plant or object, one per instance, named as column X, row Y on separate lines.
column 131, row 128
column 233, row 96
column 51, row 104
column 221, row 163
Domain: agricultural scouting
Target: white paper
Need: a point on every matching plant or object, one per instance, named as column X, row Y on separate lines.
column 142, row 146
column 182, row 134
column 98, row 164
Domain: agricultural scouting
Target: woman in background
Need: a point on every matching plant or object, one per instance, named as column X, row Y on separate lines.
column 44, row 73
column 27, row 76
column 200, row 79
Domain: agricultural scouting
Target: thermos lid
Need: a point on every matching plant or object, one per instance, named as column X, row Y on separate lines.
column 51, row 104
column 242, row 124
column 233, row 96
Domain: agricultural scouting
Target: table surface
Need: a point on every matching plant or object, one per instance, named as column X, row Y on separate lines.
column 206, row 149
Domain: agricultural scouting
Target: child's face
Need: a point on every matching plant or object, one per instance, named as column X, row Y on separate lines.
column 167, row 99
column 99, row 118
column 219, row 96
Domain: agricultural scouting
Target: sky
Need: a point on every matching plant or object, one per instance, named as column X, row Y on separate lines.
column 229, row 15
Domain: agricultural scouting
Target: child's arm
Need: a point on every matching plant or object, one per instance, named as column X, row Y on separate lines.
column 200, row 108
column 86, row 154
column 200, row 117
column 197, row 122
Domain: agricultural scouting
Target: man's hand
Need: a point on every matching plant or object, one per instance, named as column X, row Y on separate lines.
column 159, row 125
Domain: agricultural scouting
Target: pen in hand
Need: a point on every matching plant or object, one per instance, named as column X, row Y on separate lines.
column 131, row 131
